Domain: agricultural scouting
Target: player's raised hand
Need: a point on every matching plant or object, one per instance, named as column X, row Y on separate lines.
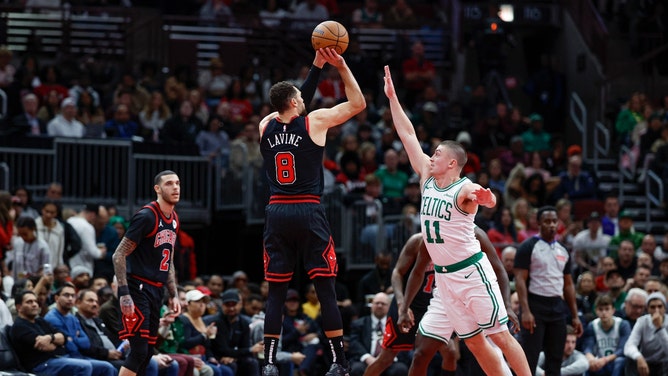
column 319, row 60
column 389, row 85
column 331, row 56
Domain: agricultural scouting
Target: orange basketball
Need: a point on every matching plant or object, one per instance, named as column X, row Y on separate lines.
column 330, row 34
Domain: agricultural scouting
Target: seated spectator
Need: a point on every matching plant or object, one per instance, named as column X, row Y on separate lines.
column 610, row 219
column 66, row 124
column 50, row 79
column 241, row 108
column 27, row 122
column 121, row 126
column 472, row 166
column 153, row 116
column 272, row 16
column 366, row 337
column 503, row 233
column 574, row 363
column 308, row 14
column 39, row 346
column 78, row 344
column 232, row 343
column 647, row 346
column 634, row 307
column 574, row 183
column 536, row 138
column 182, row 128
column 418, row 72
column 629, row 117
column 28, row 254
column 101, row 346
column 351, row 175
column 50, row 107
column 215, row 13
column 90, row 115
column 376, row 280
column 615, row 283
column 605, row 264
column 532, row 226
column 535, row 190
column 639, row 279
column 585, row 296
column 591, row 244
column 604, row 339
column 300, row 333
column 130, row 93
column 567, row 228
column 392, row 179
column 661, row 251
column 520, row 213
column 497, row 179
column 400, row 16
column 514, row 188
column 626, row 232
column 197, row 336
column 369, row 15
column 25, row 203
column 311, row 307
column 536, row 166
column 213, row 142
column 626, row 259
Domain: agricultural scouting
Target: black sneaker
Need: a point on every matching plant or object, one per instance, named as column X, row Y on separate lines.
column 270, row 370
column 337, row 370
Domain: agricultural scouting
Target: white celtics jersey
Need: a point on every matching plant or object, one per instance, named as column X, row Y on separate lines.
column 446, row 228
column 606, row 341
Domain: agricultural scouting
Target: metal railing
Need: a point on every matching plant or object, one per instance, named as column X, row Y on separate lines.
column 109, row 172
column 4, row 176
column 656, row 199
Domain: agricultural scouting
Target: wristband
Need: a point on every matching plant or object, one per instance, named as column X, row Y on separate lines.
column 123, row 290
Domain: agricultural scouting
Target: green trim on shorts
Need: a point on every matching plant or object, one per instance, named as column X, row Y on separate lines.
column 490, row 291
column 503, row 321
column 458, row 265
column 471, row 334
column 431, row 335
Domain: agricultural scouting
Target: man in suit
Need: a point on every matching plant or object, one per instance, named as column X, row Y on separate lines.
column 366, row 336
column 101, row 345
column 27, row 123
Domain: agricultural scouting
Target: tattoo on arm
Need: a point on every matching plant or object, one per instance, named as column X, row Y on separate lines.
column 171, row 279
column 124, row 249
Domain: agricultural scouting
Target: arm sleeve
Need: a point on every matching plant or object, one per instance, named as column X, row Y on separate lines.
column 588, row 340
column 310, row 84
column 523, row 256
column 578, row 366
column 631, row 349
column 624, row 332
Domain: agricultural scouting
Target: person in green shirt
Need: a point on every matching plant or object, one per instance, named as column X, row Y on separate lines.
column 626, row 232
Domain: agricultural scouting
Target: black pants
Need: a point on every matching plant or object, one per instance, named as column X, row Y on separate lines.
column 548, row 336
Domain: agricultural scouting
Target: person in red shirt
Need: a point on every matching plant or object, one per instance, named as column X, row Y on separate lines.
column 418, row 73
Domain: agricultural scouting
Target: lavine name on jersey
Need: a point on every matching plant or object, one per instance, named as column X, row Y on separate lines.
column 165, row 236
column 435, row 207
column 285, row 138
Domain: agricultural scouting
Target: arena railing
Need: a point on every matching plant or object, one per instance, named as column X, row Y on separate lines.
column 109, row 172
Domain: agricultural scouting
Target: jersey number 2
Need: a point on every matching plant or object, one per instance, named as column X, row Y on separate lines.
column 164, row 263
column 285, row 168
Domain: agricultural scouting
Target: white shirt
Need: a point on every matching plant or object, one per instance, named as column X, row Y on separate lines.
column 89, row 250
column 62, row 127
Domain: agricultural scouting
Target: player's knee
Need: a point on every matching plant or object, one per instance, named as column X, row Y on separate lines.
column 502, row 340
column 385, row 359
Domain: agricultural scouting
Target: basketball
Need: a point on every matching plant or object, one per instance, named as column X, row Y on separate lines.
column 330, row 34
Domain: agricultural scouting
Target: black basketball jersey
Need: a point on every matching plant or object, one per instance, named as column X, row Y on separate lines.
column 293, row 162
column 155, row 236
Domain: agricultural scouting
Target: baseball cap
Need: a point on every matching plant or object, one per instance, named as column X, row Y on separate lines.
column 205, row 290
column 292, row 295
column 68, row 102
column 625, row 214
column 594, row 216
column 195, row 296
column 231, row 295
column 535, row 117
column 609, row 273
column 464, row 137
column 573, row 150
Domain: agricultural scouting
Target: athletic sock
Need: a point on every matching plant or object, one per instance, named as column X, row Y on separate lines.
column 270, row 348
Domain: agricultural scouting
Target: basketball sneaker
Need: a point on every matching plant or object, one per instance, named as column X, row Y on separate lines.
column 337, row 370
column 270, row 370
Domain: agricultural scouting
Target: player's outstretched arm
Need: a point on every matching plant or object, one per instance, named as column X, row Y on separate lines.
column 325, row 118
column 419, row 161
